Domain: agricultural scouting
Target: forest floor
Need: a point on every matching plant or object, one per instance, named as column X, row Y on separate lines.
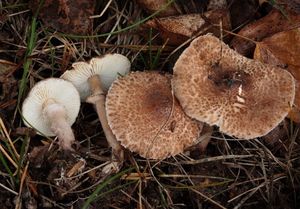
column 38, row 43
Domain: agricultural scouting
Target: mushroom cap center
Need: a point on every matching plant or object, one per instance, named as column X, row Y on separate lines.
column 53, row 110
column 158, row 103
column 228, row 78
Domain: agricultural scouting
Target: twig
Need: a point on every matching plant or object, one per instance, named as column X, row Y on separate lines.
column 8, row 138
column 24, row 174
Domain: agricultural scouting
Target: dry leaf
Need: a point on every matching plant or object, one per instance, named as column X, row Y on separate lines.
column 177, row 29
column 8, row 85
column 76, row 168
column 283, row 50
column 242, row 12
column 293, row 5
column 272, row 23
column 154, row 5
column 66, row 59
column 6, row 67
column 190, row 7
column 37, row 156
column 67, row 16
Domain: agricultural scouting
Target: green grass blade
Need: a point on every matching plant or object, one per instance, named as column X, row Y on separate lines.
column 4, row 163
column 24, row 147
column 116, row 188
column 30, row 46
column 101, row 186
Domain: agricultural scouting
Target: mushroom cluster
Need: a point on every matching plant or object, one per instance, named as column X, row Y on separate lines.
column 160, row 115
column 53, row 104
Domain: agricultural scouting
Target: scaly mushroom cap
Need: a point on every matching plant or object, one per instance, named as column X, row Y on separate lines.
column 108, row 67
column 52, row 89
column 216, row 85
column 146, row 118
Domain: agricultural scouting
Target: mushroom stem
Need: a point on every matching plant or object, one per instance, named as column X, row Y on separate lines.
column 97, row 98
column 56, row 115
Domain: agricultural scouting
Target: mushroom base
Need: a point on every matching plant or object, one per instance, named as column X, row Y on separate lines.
column 55, row 114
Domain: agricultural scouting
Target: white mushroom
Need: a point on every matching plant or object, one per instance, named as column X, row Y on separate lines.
column 106, row 68
column 92, row 80
column 51, row 108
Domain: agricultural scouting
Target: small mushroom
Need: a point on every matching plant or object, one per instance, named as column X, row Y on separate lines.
column 146, row 118
column 216, row 85
column 106, row 69
column 51, row 108
column 92, row 80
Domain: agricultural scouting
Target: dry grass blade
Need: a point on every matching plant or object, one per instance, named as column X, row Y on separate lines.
column 7, row 136
column 208, row 199
column 8, row 189
column 23, row 179
column 252, row 191
column 216, row 158
column 8, row 157
column 4, row 134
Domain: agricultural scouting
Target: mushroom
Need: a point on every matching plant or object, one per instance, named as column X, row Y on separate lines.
column 51, row 108
column 146, row 118
column 244, row 97
column 92, row 80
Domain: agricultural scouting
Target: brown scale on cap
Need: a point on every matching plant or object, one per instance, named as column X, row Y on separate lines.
column 216, row 85
column 146, row 118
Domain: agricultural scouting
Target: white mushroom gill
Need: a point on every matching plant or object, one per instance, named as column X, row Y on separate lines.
column 51, row 108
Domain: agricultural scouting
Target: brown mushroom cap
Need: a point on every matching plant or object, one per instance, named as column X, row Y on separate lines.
column 146, row 118
column 216, row 85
